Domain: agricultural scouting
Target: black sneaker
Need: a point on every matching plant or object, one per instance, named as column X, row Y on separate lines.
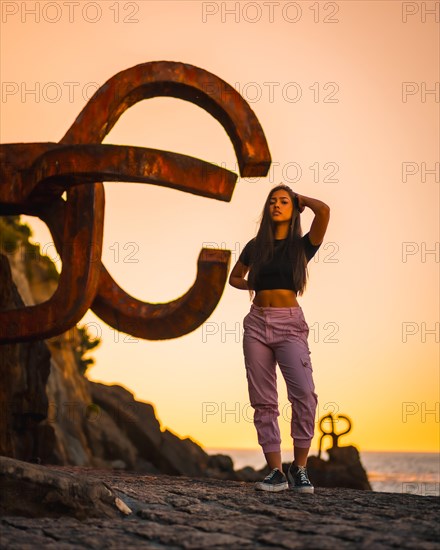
column 299, row 480
column 275, row 481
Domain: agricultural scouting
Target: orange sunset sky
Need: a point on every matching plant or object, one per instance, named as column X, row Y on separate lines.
column 348, row 95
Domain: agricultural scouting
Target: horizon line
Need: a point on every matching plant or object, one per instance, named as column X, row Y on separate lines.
column 255, row 449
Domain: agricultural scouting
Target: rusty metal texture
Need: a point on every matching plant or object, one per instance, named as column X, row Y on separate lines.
column 34, row 176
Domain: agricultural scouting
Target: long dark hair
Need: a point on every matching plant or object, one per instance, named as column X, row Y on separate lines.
column 264, row 243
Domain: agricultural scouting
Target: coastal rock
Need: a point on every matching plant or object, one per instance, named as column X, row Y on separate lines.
column 166, row 452
column 221, row 466
column 36, row 491
column 25, row 369
column 108, row 444
column 193, row 513
column 343, row 469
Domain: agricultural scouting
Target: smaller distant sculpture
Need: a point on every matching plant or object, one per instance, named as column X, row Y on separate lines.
column 332, row 433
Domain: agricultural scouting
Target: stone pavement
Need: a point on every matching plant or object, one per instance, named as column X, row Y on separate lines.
column 181, row 512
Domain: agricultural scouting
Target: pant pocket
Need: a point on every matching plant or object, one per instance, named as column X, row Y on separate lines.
column 306, row 361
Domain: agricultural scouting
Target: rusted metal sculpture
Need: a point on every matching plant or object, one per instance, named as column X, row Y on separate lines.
column 335, row 436
column 34, row 176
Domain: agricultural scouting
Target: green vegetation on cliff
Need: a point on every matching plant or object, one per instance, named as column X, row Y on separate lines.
column 85, row 344
column 14, row 235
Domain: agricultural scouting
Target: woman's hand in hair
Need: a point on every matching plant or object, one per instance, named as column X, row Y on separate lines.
column 317, row 206
column 299, row 203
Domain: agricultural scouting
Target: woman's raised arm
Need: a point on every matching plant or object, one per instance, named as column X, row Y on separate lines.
column 321, row 219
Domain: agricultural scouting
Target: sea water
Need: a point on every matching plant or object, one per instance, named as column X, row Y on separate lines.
column 394, row 472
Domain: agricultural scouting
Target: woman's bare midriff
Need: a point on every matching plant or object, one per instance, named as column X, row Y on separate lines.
column 276, row 298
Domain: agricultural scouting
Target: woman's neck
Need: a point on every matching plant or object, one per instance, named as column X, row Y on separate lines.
column 281, row 231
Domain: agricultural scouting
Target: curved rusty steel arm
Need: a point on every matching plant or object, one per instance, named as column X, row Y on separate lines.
column 15, row 162
column 79, row 279
column 60, row 166
column 190, row 83
column 164, row 321
column 158, row 321
column 183, row 81
column 82, row 164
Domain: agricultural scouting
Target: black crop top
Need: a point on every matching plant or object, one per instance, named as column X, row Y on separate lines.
column 278, row 272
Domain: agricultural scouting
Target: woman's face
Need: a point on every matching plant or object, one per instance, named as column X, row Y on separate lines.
column 280, row 206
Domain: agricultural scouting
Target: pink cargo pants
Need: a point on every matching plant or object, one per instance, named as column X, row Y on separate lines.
column 279, row 335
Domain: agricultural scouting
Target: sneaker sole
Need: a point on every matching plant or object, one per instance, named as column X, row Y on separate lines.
column 309, row 490
column 272, row 488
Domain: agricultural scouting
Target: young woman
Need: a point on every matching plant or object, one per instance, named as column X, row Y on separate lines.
column 275, row 330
